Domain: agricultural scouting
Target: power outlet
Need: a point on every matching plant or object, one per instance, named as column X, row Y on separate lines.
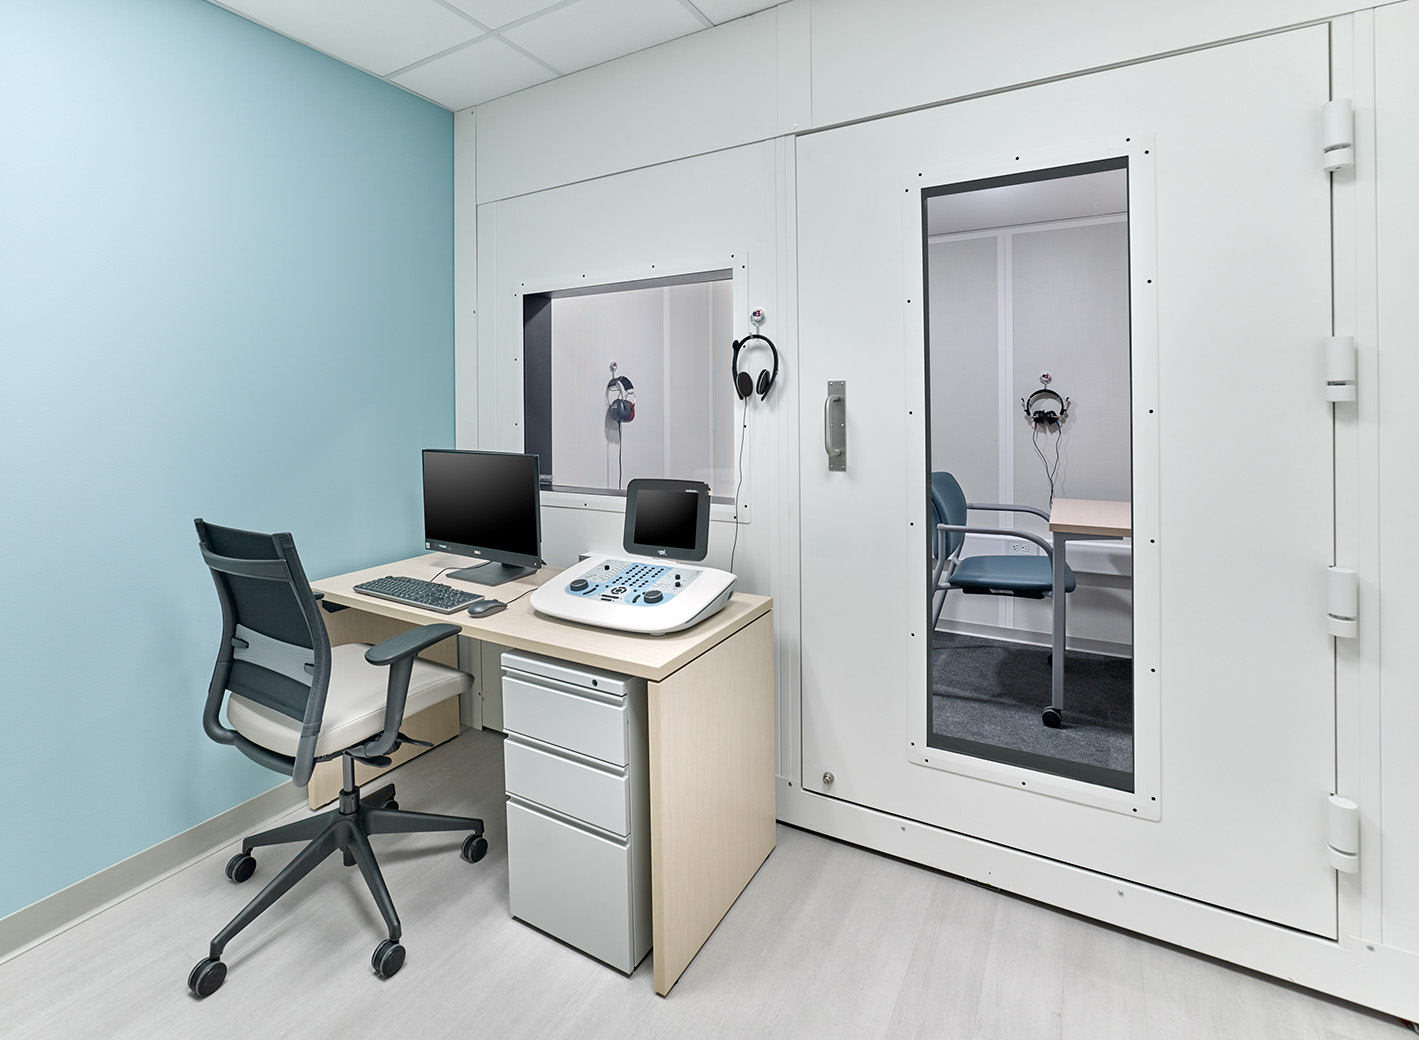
column 1019, row 547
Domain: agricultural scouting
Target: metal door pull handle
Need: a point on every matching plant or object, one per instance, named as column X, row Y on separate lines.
column 828, row 446
column 835, row 425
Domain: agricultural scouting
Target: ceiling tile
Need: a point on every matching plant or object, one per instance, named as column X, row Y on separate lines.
column 477, row 73
column 719, row 11
column 497, row 13
column 378, row 35
column 589, row 32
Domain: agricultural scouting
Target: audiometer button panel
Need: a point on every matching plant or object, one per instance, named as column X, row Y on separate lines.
column 632, row 583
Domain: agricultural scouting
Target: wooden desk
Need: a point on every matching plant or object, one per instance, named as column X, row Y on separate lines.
column 1076, row 518
column 711, row 707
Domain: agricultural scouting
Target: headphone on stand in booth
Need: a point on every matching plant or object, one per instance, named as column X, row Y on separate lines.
column 744, row 386
column 620, row 409
column 620, row 398
column 1047, row 418
column 1044, row 419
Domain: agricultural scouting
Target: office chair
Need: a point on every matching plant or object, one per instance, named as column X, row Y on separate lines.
column 1029, row 576
column 292, row 701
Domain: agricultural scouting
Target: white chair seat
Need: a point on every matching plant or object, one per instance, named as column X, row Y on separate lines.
column 354, row 703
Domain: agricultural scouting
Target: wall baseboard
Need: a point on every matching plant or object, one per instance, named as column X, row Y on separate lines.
column 41, row 921
column 1040, row 640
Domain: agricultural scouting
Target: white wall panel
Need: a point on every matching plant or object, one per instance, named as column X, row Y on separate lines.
column 719, row 207
column 1396, row 174
column 888, row 55
column 712, row 90
column 1069, row 316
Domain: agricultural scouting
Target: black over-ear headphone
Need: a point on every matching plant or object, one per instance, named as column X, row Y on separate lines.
column 1045, row 417
column 622, row 407
column 743, row 385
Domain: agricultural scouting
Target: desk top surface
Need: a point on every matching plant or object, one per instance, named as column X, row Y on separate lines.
column 1086, row 516
column 522, row 628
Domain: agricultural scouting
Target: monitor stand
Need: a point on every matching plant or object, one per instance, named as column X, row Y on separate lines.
column 490, row 573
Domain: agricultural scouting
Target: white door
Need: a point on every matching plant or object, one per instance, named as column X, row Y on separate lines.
column 1232, row 472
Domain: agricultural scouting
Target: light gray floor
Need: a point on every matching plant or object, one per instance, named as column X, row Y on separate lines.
column 829, row 940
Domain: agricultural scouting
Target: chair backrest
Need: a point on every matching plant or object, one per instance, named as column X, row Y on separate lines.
column 948, row 506
column 275, row 650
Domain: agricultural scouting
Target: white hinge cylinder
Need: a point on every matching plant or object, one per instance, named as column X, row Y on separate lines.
column 1343, row 851
column 1337, row 135
column 1342, row 602
column 1340, row 368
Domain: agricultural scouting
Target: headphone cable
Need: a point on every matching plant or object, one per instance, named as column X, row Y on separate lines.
column 1050, row 474
column 742, row 432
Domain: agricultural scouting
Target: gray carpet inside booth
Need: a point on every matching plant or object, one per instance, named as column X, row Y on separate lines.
column 987, row 696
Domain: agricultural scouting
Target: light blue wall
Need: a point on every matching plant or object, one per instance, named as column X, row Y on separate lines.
column 226, row 290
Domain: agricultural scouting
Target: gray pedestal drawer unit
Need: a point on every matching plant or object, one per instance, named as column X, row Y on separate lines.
column 578, row 814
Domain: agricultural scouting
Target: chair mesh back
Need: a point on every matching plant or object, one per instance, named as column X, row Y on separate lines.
column 270, row 608
column 948, row 506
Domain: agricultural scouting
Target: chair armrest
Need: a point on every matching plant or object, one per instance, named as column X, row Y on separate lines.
column 1007, row 532
column 409, row 643
column 1001, row 507
column 398, row 653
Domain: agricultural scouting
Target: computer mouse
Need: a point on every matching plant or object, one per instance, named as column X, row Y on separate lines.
column 484, row 607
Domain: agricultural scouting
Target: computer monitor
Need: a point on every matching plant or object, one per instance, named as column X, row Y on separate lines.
column 667, row 519
column 484, row 504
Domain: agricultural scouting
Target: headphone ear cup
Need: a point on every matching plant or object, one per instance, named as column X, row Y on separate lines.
column 763, row 385
column 743, row 385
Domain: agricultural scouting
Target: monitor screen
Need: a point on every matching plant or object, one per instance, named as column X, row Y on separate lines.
column 667, row 519
column 483, row 504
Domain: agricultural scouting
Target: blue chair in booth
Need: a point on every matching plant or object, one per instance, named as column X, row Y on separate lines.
column 1029, row 576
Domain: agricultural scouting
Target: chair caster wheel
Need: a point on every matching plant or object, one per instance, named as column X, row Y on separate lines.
column 240, row 868
column 1052, row 718
column 207, row 977
column 391, row 805
column 475, row 847
column 388, row 959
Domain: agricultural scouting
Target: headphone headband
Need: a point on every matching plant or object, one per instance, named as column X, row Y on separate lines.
column 766, row 378
column 1050, row 417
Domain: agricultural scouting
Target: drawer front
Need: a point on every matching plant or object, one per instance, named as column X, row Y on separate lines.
column 592, row 727
column 595, row 795
column 573, row 674
column 570, row 883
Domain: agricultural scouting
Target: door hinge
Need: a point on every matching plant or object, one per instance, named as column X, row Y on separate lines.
column 1343, row 851
column 1340, row 368
column 1342, row 600
column 1337, row 135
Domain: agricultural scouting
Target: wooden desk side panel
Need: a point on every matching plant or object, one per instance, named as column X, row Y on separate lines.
column 436, row 723
column 711, row 791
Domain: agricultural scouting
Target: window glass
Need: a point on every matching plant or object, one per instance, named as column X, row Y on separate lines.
column 631, row 380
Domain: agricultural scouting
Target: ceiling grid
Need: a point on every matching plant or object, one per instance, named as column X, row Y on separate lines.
column 461, row 53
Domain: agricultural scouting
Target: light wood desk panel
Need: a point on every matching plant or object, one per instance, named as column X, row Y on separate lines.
column 1088, row 516
column 711, row 706
column 522, row 628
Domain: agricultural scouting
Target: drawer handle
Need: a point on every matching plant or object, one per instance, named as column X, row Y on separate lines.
column 552, row 816
column 522, row 740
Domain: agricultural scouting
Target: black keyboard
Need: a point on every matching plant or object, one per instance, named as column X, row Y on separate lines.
column 418, row 593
